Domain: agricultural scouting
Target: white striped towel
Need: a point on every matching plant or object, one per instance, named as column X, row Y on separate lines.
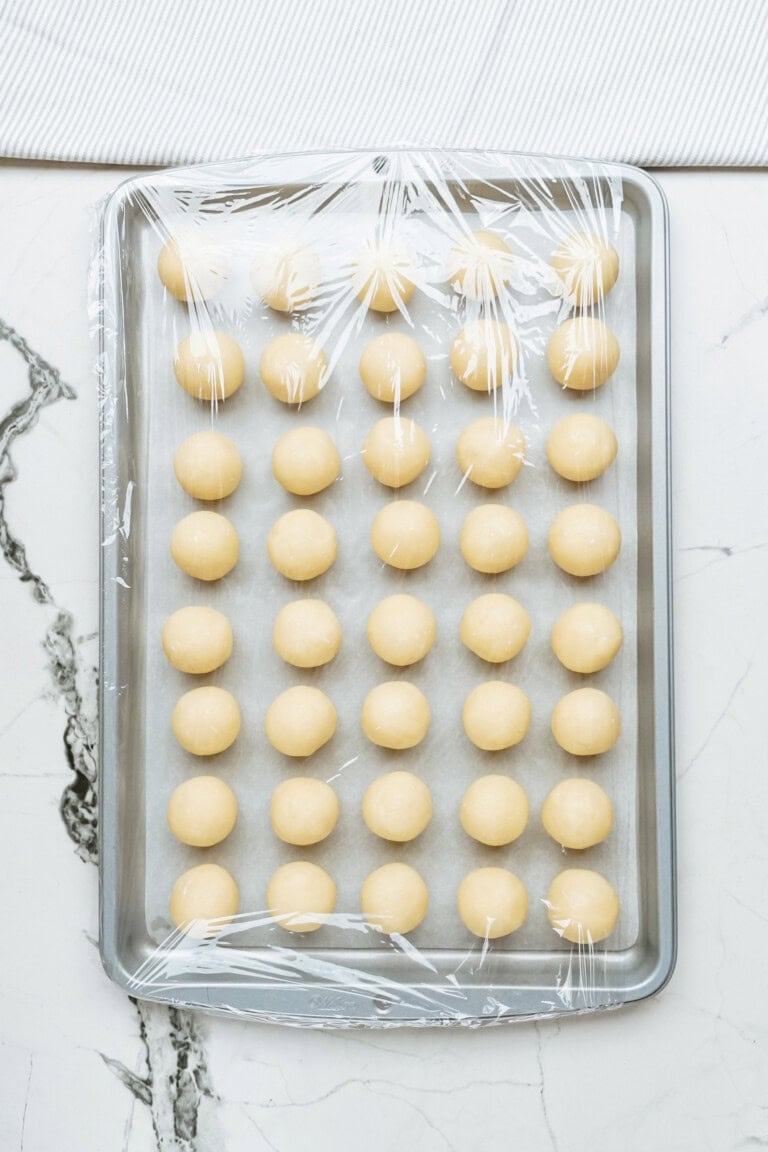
column 653, row 82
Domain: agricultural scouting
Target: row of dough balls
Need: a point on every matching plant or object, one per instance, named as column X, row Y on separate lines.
column 583, row 540
column 401, row 630
column 582, row 907
column 397, row 807
column 395, row 715
column 479, row 266
column 305, row 461
column 582, row 354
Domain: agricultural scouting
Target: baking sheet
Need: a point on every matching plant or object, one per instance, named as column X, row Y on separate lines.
column 253, row 593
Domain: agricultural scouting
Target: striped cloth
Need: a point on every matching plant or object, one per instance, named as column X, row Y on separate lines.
column 654, row 82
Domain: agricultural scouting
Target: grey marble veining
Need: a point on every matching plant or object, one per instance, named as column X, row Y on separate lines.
column 176, row 1070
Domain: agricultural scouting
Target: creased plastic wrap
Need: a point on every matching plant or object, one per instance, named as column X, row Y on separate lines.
column 480, row 259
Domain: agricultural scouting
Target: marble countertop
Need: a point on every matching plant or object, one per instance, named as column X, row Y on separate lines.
column 83, row 1069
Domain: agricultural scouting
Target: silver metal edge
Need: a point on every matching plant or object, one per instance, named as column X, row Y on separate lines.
column 109, row 373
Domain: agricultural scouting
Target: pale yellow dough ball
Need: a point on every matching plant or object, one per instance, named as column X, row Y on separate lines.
column 582, row 353
column 197, row 639
column 577, row 814
column 494, row 810
column 305, row 461
column 202, row 811
column 192, row 266
column 492, row 902
column 496, row 715
column 479, row 266
column 493, row 538
column 208, row 466
column 206, row 721
column 394, row 899
column 584, row 540
column 293, row 368
column 205, row 545
column 588, row 267
column 301, row 896
column 383, row 277
column 396, row 715
column 581, row 447
column 586, row 638
column 287, row 276
column 396, row 451
column 393, row 367
column 405, row 535
column 306, row 633
column 303, row 811
column 209, row 366
column 582, row 906
column 483, row 355
column 203, row 894
column 401, row 630
column 302, row 544
column 397, row 807
column 300, row 721
column 491, row 452
column 586, row 722
column 495, row 627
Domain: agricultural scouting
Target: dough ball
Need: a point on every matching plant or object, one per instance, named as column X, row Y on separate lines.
column 584, row 540
column 491, row 452
column 286, row 277
column 582, row 353
column 197, row 639
column 396, row 715
column 305, row 461
column 405, row 535
column 479, row 266
column 401, row 630
column 202, row 894
column 301, row 896
column 393, row 367
column 192, row 266
column 302, row 544
column 492, row 902
column 206, row 721
column 306, row 633
column 208, row 466
column 293, row 368
column 586, row 638
column 397, row 807
column 581, row 447
column 586, row 722
column 493, row 538
column 205, row 545
column 577, row 814
column 588, row 267
column 582, row 906
column 494, row 810
column 383, row 277
column 209, row 365
column 202, row 811
column 394, row 899
column 483, row 355
column 495, row 627
column 396, row 451
column 303, row 811
column 301, row 720
column 496, row 715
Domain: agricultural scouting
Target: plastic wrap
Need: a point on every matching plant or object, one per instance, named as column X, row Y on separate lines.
column 320, row 245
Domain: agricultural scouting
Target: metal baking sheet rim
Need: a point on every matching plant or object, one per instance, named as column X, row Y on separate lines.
column 336, row 1006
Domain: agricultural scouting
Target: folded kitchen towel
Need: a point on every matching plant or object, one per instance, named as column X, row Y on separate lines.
column 653, row 82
